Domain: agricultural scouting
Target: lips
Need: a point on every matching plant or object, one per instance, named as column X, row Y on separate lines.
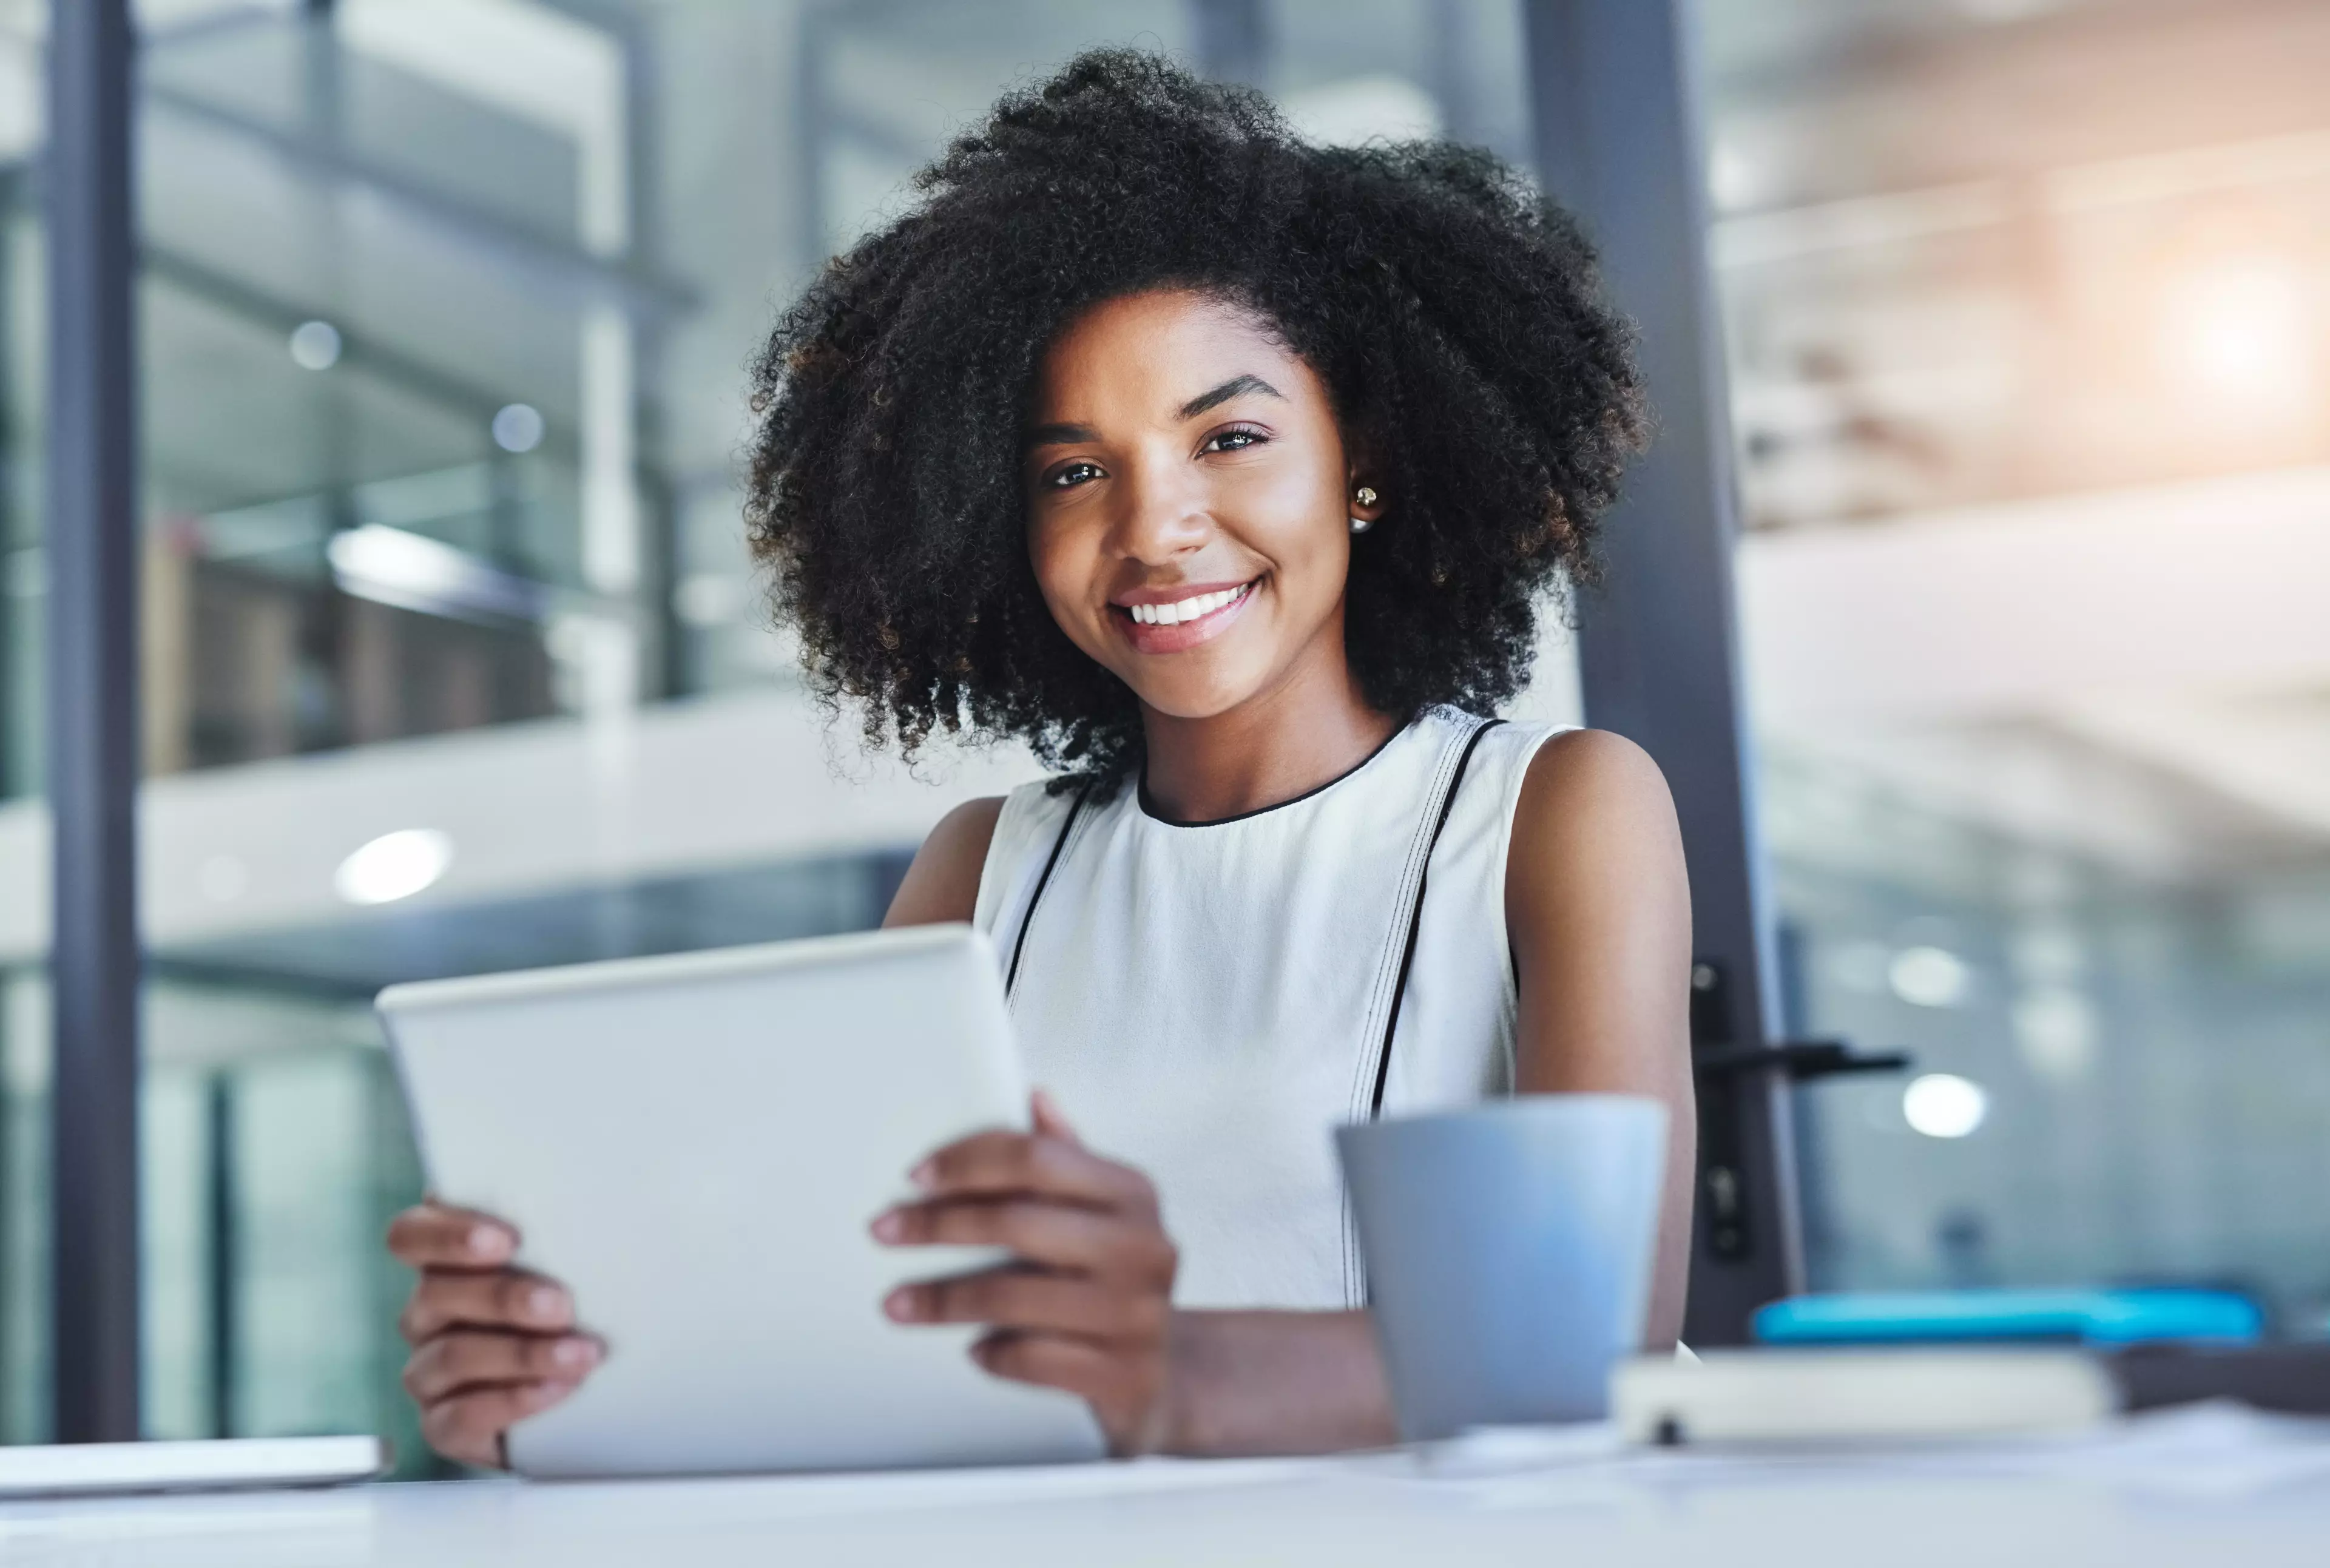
column 1167, row 620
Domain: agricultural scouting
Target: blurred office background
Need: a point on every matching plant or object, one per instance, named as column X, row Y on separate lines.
column 453, row 660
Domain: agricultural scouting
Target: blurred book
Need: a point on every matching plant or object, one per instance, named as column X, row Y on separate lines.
column 1944, row 1394
column 2094, row 1318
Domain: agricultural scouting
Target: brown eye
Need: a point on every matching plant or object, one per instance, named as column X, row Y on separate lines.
column 1072, row 474
column 1232, row 440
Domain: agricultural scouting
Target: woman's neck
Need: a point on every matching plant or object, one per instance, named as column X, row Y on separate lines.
column 1308, row 730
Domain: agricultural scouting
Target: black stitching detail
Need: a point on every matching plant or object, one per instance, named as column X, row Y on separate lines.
column 1019, row 943
column 1415, row 918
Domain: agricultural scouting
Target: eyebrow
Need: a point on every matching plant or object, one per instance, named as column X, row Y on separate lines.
column 1235, row 387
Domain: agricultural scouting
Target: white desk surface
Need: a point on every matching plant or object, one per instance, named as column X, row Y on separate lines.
column 2206, row 1487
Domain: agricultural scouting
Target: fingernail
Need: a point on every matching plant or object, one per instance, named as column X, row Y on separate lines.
column 487, row 1241
column 543, row 1395
column 900, row 1303
column 923, row 1176
column 546, row 1303
column 577, row 1352
column 889, row 1226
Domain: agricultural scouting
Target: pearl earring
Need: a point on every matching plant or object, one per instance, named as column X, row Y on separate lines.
column 1366, row 496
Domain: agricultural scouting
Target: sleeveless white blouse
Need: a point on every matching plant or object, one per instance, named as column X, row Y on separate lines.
column 1208, row 1001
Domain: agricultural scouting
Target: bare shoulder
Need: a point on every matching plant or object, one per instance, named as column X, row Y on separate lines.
column 1597, row 906
column 1594, row 805
column 1597, row 772
column 942, row 884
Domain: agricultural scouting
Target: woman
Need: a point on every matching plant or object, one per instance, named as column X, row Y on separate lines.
column 1227, row 473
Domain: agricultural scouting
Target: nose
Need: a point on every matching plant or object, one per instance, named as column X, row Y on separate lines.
column 1162, row 513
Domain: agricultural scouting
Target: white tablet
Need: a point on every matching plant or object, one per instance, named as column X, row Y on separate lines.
column 695, row 1145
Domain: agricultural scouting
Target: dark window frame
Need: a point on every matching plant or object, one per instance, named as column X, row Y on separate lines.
column 1613, row 91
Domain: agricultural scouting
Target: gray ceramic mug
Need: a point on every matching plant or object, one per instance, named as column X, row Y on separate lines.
column 1508, row 1252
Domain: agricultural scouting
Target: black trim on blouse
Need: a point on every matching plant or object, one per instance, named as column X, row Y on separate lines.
column 1148, row 804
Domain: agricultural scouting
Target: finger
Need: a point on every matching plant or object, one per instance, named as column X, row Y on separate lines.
column 469, row 1427
column 1023, row 1299
column 997, row 1164
column 1056, row 1235
column 1051, row 1360
column 505, row 1298
column 437, row 1236
column 461, row 1357
column 1049, row 1123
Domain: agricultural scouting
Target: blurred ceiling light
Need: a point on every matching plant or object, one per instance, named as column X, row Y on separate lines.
column 1942, row 1105
column 2238, row 327
column 413, row 571
column 315, row 346
column 2057, row 1029
column 1930, row 977
column 393, row 866
column 517, row 427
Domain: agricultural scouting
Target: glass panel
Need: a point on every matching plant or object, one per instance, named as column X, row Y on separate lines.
column 2028, row 320
column 365, row 459
column 392, row 327
column 24, row 982
column 24, row 1366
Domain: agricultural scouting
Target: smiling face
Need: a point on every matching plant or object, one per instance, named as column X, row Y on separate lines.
column 1190, row 502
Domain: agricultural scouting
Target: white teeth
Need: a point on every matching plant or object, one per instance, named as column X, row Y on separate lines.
column 1189, row 609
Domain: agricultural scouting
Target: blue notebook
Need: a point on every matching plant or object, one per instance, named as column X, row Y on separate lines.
column 2102, row 1317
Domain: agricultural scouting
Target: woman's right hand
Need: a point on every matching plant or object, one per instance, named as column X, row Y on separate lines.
column 492, row 1343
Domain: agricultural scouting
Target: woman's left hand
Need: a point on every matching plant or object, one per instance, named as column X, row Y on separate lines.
column 1086, row 1305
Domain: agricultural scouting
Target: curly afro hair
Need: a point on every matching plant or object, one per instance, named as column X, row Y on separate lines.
column 1451, row 311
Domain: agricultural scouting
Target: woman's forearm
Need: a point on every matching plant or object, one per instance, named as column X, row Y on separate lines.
column 1275, row 1383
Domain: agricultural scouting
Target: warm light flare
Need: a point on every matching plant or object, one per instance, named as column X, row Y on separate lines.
column 2241, row 328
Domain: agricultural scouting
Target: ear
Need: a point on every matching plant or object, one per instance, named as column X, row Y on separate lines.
column 1358, row 483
